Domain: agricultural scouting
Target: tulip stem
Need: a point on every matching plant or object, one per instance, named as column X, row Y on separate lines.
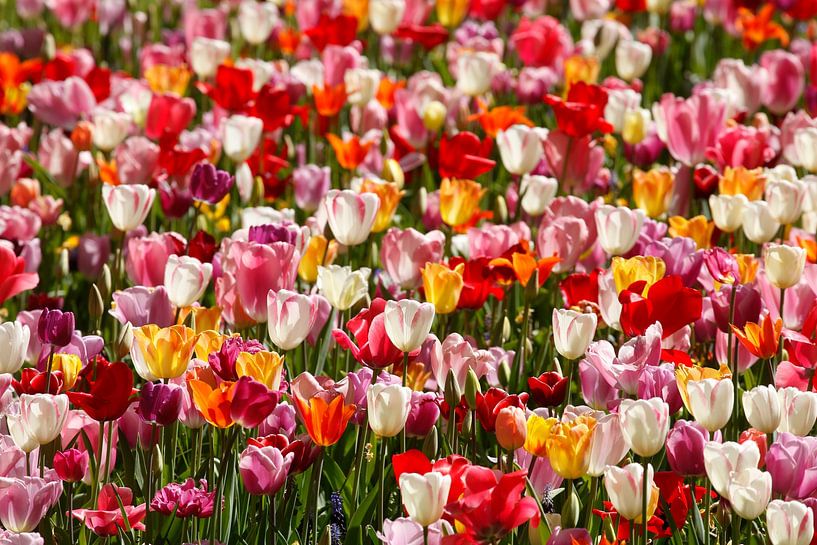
column 48, row 370
column 382, row 479
column 780, row 339
column 707, row 509
column 732, row 362
column 644, row 524
column 319, row 468
column 425, row 535
column 735, row 529
column 109, row 439
column 523, row 344
column 594, row 490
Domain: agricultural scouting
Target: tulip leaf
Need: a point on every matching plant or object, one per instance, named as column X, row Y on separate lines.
column 363, row 511
column 325, row 343
column 43, row 176
column 697, row 524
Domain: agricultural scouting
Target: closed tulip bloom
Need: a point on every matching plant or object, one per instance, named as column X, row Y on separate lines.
column 685, row 448
column 14, row 338
column 618, row 228
column 710, row 402
column 264, row 470
column 127, row 205
column 264, row 367
column 71, row 464
column 645, row 423
column 632, row 59
column 290, row 317
column 256, row 20
column 652, row 190
column 361, row 85
column 784, row 264
column 162, row 353
column 511, row 428
column 722, row 459
column 425, row 496
column 785, row 198
column 805, row 142
column 459, row 200
column 389, row 195
column 206, row 54
column 110, row 128
column 607, row 445
column 351, row 215
column 568, row 446
column 186, row 278
column 24, row 502
column 798, row 411
column 443, row 286
column 408, row 323
column 762, row 408
column 160, row 403
column 520, row 148
column 342, row 286
column 209, row 184
column 727, row 211
column 573, row 332
column 43, row 415
column 749, row 492
column 759, row 225
column 385, row 15
column 404, row 253
column 625, row 487
column 240, row 137
column 475, row 70
column 789, row 523
column 537, row 192
column 388, row 408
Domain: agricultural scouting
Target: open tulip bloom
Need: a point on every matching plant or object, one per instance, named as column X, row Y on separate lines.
column 422, row 272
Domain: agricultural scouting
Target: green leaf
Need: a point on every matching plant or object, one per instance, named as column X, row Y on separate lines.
column 365, row 509
column 44, row 177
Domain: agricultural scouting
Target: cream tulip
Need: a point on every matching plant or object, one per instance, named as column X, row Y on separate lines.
column 727, row 211
column 789, row 523
column 805, row 142
column 388, row 408
column 784, row 264
column 408, row 323
column 43, row 415
column 625, row 487
column 109, row 128
column 645, row 424
column 798, row 411
column 361, row 85
column 475, row 71
column 240, row 136
column 785, row 199
column 186, row 278
column 573, row 332
column 206, row 55
column 385, row 15
column 14, row 338
column 759, row 225
column 424, row 496
column 632, row 59
column 351, row 215
column 761, row 405
column 711, row 401
column 618, row 228
column 536, row 193
column 290, row 317
column 749, row 492
column 520, row 149
column 256, row 20
column 127, row 205
column 723, row 459
column 342, row 286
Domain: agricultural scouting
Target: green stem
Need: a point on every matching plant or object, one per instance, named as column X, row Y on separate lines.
column 319, row 467
column 644, row 524
column 381, row 468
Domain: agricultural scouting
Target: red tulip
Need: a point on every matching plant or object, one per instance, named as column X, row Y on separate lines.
column 479, row 282
column 548, row 389
column 414, row 461
column 373, row 348
column 580, row 289
column 33, row 382
column 340, row 30
column 13, row 278
column 428, row 36
column 168, row 114
column 583, row 111
column 103, row 389
column 232, row 89
column 464, row 156
column 667, row 302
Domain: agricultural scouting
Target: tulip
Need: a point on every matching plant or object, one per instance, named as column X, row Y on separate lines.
column 423, row 414
column 388, row 408
column 389, row 195
column 749, row 492
column 651, row 190
column 59, row 157
column 573, row 332
column 162, row 353
column 758, row 223
column 722, row 460
column 798, row 411
column 475, row 71
column 351, row 215
column 537, row 192
column 785, row 199
column 805, row 142
column 408, row 323
column 185, row 500
column 727, row 211
column 511, row 428
column 459, row 200
column 114, row 512
column 40, row 420
column 685, row 448
column 762, row 408
column 25, row 501
column 789, row 523
column 361, row 85
column 424, row 496
column 520, row 148
column 625, row 487
column 71, row 464
column 325, row 413
column 645, row 424
column 784, row 80
column 710, row 402
column 618, row 228
column 262, row 366
column 404, row 253
column 14, row 338
column 186, row 278
column 61, row 103
column 103, row 389
column 206, row 54
column 311, row 183
column 208, row 184
column 385, row 15
column 160, row 403
column 127, row 205
column 784, row 264
column 141, row 306
column 626, row 272
column 443, row 286
column 251, row 401
column 264, row 470
column 136, row 160
column 256, row 20
column 241, row 135
column 342, row 286
column 290, row 317
column 568, row 446
column 632, row 59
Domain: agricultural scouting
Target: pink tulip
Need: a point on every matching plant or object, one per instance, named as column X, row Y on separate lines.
column 24, row 501
column 141, row 305
column 743, row 146
column 459, row 355
column 423, row 414
column 743, row 82
column 324, row 308
column 114, row 506
column 689, row 126
column 404, row 252
column 264, row 469
column 311, row 184
column 77, row 424
column 576, row 162
column 72, row 13
column 542, row 42
column 147, row 257
column 206, row 23
column 61, row 103
column 136, row 159
column 168, row 114
column 13, row 279
column 784, row 82
column 18, row 224
column 793, row 122
column 337, row 60
column 59, row 157
column 491, row 240
column 158, row 53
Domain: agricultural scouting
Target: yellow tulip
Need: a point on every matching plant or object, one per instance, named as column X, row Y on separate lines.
column 265, row 367
column 459, row 200
column 648, row 268
column 578, row 68
column 747, row 265
column 359, row 9
column 70, row 366
column 209, row 341
column 316, row 251
column 162, row 78
column 450, row 13
column 538, row 433
column 651, row 190
column 443, row 286
column 750, row 183
column 698, row 229
column 203, row 318
column 568, row 446
column 685, row 374
column 389, row 194
column 165, row 351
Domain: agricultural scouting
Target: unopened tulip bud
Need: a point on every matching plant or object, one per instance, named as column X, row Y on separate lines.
column 65, row 268
column 158, row 460
column 506, row 329
column 571, row 510
column 393, row 172
column 452, row 389
column 511, row 428
column 430, row 444
column 104, row 282
column 472, row 388
column 124, row 341
column 504, row 373
column 95, row 305
column 434, row 114
column 467, row 423
column 501, row 209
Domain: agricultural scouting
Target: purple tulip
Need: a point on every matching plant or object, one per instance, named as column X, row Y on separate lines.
column 55, row 327
column 160, row 403
column 209, row 184
column 264, row 469
column 680, row 257
column 792, row 462
column 185, row 500
column 311, row 184
column 140, row 306
column 747, row 305
column 685, row 447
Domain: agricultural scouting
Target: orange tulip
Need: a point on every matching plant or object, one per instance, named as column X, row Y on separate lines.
column 203, row 318
column 760, row 339
column 698, row 229
column 459, row 200
column 500, row 118
column 386, row 90
column 162, row 78
column 750, row 183
column 757, row 28
column 651, row 190
column 316, row 253
column 325, row 416
column 808, row 245
column 747, row 265
column 213, row 401
column 329, row 100
column 519, row 263
column 351, row 152
column 390, row 195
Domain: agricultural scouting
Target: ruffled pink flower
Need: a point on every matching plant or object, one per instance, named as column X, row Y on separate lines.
column 185, row 500
column 147, row 256
column 107, row 519
column 689, row 126
column 744, row 146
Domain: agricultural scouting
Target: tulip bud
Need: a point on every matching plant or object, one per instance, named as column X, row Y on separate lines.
column 467, row 423
column 124, row 341
column 326, row 536
column 501, row 209
column 104, row 282
column 506, row 329
column 95, row 305
column 158, row 460
column 64, row 268
column 511, row 428
column 472, row 388
column 71, row 465
column 504, row 373
column 570, row 510
column 393, row 172
column 434, row 114
column 452, row 389
column 430, row 444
